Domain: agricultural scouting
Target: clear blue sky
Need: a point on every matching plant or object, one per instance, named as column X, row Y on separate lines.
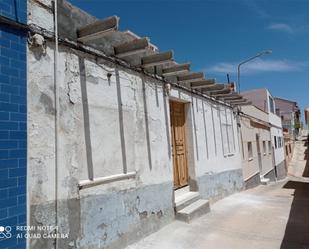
column 215, row 35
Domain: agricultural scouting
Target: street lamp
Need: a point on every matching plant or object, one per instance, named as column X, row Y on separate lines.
column 247, row 60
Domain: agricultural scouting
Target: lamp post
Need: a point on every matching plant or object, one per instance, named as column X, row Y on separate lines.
column 247, row 60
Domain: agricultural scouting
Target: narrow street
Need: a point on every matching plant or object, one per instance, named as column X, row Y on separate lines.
column 154, row 124
column 272, row 216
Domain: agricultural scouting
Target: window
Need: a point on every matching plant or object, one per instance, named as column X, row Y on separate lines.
column 279, row 142
column 250, row 152
column 227, row 131
column 264, row 148
column 275, row 139
column 271, row 105
column 269, row 147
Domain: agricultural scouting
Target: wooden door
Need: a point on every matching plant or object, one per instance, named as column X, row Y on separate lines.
column 179, row 150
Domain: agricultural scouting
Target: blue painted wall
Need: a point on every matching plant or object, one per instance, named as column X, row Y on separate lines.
column 13, row 124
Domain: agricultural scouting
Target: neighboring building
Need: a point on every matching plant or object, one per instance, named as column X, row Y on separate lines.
column 262, row 99
column 307, row 116
column 257, row 155
column 104, row 161
column 289, row 113
column 13, row 118
column 289, row 144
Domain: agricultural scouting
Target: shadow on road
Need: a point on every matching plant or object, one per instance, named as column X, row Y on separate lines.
column 297, row 230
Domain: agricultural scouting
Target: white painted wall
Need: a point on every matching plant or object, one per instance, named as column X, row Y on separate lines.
column 279, row 152
column 143, row 145
column 276, row 130
column 216, row 161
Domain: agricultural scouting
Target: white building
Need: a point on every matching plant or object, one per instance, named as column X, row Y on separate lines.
column 110, row 140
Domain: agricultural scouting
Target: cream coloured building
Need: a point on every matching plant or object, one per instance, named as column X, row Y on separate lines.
column 257, row 151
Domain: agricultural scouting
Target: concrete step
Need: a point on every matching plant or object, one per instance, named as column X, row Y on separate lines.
column 185, row 200
column 194, row 210
column 265, row 181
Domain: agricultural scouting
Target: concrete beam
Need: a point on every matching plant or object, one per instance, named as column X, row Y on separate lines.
column 191, row 77
column 157, row 59
column 239, row 100
column 131, row 48
column 176, row 70
column 242, row 100
column 245, row 102
column 227, row 97
column 216, row 93
column 203, row 83
column 98, row 29
column 213, row 87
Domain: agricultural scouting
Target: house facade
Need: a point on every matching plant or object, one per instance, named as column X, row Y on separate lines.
column 263, row 99
column 111, row 142
column 257, row 152
column 290, row 116
column 289, row 113
column 105, row 138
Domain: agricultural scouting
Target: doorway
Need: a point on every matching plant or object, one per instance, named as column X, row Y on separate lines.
column 259, row 151
column 179, row 145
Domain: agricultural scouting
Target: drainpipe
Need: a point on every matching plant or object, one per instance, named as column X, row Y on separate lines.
column 57, row 116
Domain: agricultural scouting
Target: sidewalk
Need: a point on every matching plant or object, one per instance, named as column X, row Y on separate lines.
column 266, row 217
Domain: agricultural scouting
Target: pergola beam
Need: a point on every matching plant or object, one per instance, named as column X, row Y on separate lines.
column 98, row 29
column 176, row 70
column 131, row 48
column 229, row 98
column 216, row 93
column 237, row 101
column 191, row 77
column 242, row 103
column 203, row 83
column 230, row 95
column 157, row 59
column 213, row 88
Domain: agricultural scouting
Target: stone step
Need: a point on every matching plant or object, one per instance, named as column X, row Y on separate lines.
column 185, row 200
column 265, row 181
column 194, row 210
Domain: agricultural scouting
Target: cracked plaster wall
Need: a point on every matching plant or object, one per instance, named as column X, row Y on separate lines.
column 117, row 122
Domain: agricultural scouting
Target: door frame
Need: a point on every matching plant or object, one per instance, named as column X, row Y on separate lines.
column 190, row 145
column 259, row 153
column 171, row 101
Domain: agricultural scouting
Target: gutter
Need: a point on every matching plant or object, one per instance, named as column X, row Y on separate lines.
column 14, row 24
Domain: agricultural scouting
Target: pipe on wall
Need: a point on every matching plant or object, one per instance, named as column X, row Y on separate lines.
column 57, row 116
